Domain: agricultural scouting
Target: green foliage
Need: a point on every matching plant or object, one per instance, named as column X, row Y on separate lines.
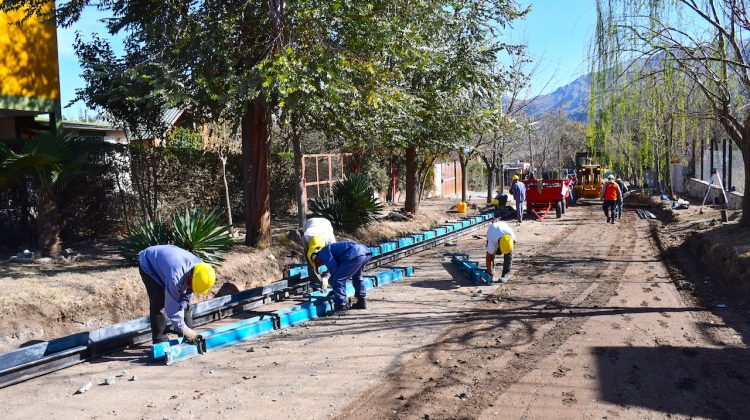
column 50, row 160
column 143, row 235
column 352, row 204
column 282, row 183
column 200, row 232
column 196, row 230
column 185, row 138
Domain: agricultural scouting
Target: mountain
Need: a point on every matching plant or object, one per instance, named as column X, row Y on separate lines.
column 572, row 99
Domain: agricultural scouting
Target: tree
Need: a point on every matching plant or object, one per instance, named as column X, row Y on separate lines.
column 702, row 42
column 222, row 139
column 47, row 162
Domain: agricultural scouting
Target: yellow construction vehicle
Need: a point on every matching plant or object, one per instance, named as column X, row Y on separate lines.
column 589, row 177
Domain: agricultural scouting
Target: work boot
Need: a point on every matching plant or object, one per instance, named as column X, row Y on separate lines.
column 340, row 310
column 361, row 304
column 613, row 220
column 607, row 219
column 504, row 278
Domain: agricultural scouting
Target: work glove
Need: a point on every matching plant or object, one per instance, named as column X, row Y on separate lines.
column 190, row 335
column 324, row 281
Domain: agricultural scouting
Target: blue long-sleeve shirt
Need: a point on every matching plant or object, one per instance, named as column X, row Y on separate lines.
column 519, row 191
column 170, row 266
column 336, row 253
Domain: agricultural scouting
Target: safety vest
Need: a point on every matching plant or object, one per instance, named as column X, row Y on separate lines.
column 610, row 193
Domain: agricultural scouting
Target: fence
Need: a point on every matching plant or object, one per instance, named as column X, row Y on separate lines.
column 320, row 171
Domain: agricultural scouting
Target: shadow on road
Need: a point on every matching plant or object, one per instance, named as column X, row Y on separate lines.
column 689, row 381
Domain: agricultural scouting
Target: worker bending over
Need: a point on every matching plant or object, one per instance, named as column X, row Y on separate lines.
column 345, row 260
column 317, row 233
column 518, row 189
column 611, row 195
column 171, row 275
column 500, row 240
column 499, row 202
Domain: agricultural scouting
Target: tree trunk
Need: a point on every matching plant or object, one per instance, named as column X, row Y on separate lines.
column 299, row 181
column 412, row 187
column 47, row 223
column 464, row 161
column 223, row 160
column 490, row 181
column 745, row 149
column 256, row 142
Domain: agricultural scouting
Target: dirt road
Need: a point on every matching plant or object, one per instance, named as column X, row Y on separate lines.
column 590, row 326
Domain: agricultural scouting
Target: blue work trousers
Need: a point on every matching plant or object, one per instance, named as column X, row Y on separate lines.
column 610, row 209
column 519, row 211
column 351, row 269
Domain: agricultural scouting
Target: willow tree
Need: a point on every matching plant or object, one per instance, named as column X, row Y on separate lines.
column 700, row 44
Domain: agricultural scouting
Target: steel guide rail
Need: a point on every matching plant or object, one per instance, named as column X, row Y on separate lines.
column 319, row 304
column 41, row 358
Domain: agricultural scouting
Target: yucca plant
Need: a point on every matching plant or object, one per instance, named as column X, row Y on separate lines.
column 352, row 204
column 144, row 235
column 200, row 232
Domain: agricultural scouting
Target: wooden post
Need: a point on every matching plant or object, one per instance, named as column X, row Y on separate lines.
column 330, row 175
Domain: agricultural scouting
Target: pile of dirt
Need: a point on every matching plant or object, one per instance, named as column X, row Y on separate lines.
column 708, row 257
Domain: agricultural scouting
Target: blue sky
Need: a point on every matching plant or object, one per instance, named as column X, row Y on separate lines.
column 557, row 32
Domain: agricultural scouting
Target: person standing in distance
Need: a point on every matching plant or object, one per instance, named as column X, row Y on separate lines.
column 500, row 240
column 518, row 189
column 611, row 195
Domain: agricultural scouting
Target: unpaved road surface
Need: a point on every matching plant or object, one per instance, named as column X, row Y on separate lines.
column 590, row 326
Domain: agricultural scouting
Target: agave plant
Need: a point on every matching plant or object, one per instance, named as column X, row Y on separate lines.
column 144, row 235
column 200, row 232
column 352, row 204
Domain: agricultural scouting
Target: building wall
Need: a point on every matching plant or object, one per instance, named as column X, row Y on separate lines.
column 698, row 188
column 29, row 72
column 738, row 169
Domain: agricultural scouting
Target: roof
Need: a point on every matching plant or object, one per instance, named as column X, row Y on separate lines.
column 80, row 125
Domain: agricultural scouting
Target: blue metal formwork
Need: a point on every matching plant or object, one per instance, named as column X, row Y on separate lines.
column 477, row 275
column 441, row 231
column 429, row 234
column 418, row 238
column 449, row 228
column 388, row 247
column 405, row 241
column 375, row 251
column 319, row 305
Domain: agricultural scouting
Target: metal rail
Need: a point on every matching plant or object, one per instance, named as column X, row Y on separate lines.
column 42, row 358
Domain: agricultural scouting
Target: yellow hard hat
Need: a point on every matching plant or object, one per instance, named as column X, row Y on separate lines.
column 506, row 244
column 204, row 278
column 315, row 244
column 515, row 177
column 496, row 202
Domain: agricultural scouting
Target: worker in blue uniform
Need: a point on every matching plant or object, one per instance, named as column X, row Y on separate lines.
column 171, row 275
column 345, row 260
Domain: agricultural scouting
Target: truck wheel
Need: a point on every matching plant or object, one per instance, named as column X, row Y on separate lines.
column 564, row 205
column 558, row 209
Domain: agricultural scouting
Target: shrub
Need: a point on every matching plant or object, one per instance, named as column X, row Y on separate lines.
column 195, row 230
column 351, row 205
column 143, row 235
column 200, row 232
